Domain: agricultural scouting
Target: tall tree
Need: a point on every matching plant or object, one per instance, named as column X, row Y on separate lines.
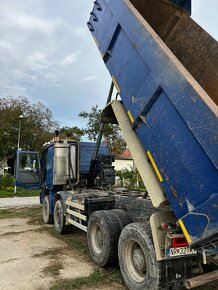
column 113, row 137
column 73, row 133
column 37, row 125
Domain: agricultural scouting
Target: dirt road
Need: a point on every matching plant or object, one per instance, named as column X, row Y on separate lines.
column 26, row 256
column 33, row 257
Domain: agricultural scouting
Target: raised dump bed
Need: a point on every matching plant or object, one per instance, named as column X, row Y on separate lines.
column 165, row 67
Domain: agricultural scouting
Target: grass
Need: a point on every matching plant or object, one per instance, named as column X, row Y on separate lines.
column 32, row 212
column 96, row 279
column 72, row 242
column 12, row 233
column 20, row 192
column 52, row 253
column 53, row 269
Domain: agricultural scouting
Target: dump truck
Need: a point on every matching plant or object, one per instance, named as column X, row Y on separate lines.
column 165, row 70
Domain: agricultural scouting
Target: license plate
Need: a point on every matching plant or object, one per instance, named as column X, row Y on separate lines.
column 175, row 252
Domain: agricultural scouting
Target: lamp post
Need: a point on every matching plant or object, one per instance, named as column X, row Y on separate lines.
column 19, row 131
column 18, row 145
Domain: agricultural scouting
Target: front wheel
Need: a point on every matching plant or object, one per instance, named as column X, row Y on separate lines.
column 47, row 216
column 137, row 259
column 59, row 217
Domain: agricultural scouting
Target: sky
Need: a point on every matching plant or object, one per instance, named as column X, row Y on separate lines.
column 48, row 54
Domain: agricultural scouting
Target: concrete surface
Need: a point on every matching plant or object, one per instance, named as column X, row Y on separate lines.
column 19, row 201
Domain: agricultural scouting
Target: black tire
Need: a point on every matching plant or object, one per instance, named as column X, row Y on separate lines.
column 123, row 217
column 137, row 258
column 47, row 216
column 103, row 235
column 59, row 217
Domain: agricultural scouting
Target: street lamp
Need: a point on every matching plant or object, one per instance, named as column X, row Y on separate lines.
column 19, row 130
column 18, row 146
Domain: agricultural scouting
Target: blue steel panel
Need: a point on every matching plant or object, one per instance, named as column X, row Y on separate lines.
column 86, row 154
column 203, row 220
column 190, row 178
column 186, row 99
column 51, row 201
column 179, row 127
column 131, row 71
column 49, row 169
column 106, row 25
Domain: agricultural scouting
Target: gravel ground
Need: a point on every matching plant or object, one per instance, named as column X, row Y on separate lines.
column 34, row 259
column 22, row 263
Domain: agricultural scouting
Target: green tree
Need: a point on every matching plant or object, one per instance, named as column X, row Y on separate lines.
column 113, row 137
column 37, row 125
column 73, row 133
column 131, row 178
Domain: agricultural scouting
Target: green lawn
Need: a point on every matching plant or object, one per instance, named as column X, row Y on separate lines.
column 20, row 192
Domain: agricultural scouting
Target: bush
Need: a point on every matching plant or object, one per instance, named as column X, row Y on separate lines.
column 7, row 181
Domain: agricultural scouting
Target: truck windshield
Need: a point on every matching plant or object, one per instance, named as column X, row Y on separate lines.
column 28, row 168
column 28, row 161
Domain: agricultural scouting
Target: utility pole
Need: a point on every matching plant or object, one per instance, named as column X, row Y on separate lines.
column 19, row 131
column 18, row 146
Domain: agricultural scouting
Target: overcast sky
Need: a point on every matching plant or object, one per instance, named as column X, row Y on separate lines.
column 48, row 54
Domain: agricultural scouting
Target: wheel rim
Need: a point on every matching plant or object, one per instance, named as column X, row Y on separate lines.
column 135, row 261
column 97, row 240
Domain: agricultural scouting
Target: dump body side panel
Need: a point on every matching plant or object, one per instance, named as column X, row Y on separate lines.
column 173, row 116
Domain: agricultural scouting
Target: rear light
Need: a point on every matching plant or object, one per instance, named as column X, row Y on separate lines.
column 179, row 242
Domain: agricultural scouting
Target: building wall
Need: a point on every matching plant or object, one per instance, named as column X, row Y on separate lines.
column 123, row 164
column 2, row 167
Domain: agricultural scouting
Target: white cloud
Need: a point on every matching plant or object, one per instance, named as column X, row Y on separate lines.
column 80, row 31
column 45, row 52
column 30, row 22
column 38, row 60
column 69, row 59
column 6, row 44
column 90, row 78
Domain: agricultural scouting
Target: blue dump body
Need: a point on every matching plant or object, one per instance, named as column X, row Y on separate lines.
column 170, row 103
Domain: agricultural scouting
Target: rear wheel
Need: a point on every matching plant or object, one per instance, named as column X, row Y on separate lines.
column 103, row 234
column 123, row 217
column 137, row 259
column 47, row 216
column 59, row 217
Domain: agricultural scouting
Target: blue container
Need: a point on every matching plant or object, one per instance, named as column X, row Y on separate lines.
column 172, row 114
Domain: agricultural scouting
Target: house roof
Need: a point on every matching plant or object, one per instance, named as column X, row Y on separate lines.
column 126, row 154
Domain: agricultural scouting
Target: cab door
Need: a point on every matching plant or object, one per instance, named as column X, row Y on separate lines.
column 27, row 169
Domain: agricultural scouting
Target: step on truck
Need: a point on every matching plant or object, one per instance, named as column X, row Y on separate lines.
column 165, row 69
